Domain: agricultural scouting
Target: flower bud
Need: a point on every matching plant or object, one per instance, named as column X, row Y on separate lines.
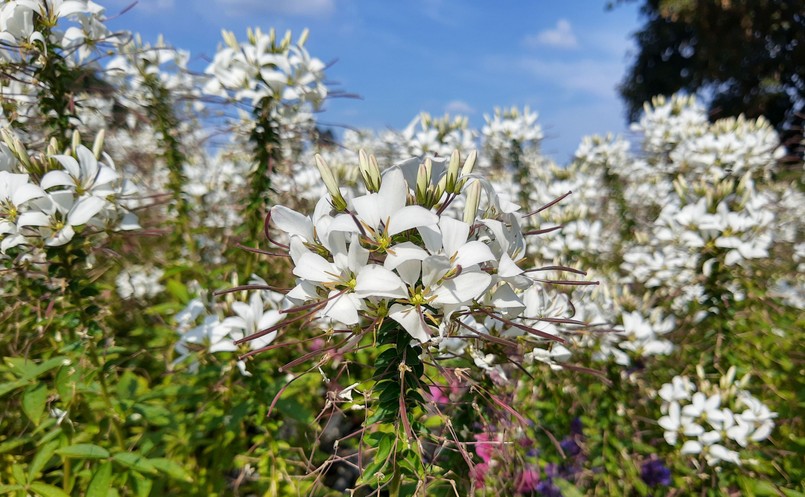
column 76, row 141
column 303, row 38
column 97, row 146
column 473, row 200
column 452, row 172
column 229, row 39
column 332, row 186
column 423, row 181
column 469, row 164
column 370, row 172
column 286, row 40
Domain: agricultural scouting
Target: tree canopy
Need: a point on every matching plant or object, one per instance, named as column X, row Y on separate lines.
column 743, row 56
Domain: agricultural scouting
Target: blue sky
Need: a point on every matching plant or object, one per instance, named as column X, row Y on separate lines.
column 563, row 59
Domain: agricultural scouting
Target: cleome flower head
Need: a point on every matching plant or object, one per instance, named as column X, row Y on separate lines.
column 429, row 246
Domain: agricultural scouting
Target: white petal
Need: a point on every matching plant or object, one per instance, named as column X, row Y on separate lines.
column 292, row 222
column 691, row 447
column 105, row 176
column 357, row 256
column 462, row 289
column 33, row 218
column 507, row 268
column 69, row 164
column 25, row 193
column 392, row 194
column 412, row 320
column 433, row 269
column 84, row 209
column 412, row 216
column 377, row 281
column 314, row 267
column 402, row 252
column 472, row 253
column 56, row 178
column 454, row 234
column 367, row 209
column 342, row 309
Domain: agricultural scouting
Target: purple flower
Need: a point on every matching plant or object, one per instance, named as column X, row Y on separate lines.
column 548, row 489
column 654, row 473
column 576, row 426
column 527, row 480
column 570, row 447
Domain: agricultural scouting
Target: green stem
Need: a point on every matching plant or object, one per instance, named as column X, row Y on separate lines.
column 396, row 482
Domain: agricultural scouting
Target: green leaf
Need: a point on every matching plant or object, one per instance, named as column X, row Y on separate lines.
column 46, row 490
column 101, row 481
column 384, row 448
column 128, row 386
column 46, row 366
column 12, row 385
column 33, row 402
column 763, row 488
column 142, row 486
column 567, row 488
column 41, row 458
column 4, row 489
column 134, row 461
column 13, row 444
column 66, row 382
column 84, row 451
column 178, row 290
column 172, row 469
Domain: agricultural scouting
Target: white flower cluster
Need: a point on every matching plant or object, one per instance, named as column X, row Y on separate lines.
column 638, row 337
column 138, row 63
column 510, row 131
column 668, row 122
column 27, row 23
column 400, row 252
column 201, row 327
column 436, row 136
column 139, row 282
column 713, row 420
column 264, row 67
column 45, row 198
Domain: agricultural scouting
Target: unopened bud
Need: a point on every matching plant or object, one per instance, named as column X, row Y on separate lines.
column 286, row 40
column 369, row 172
column 76, row 140
column 303, row 37
column 423, row 181
column 473, row 200
column 229, row 38
column 97, row 146
column 332, row 186
column 452, row 172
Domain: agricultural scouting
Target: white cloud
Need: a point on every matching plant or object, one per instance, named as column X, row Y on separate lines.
column 305, row 8
column 113, row 7
column 597, row 77
column 458, row 107
column 561, row 36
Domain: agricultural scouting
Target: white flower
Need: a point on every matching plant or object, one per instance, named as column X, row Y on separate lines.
column 252, row 318
column 64, row 212
column 83, row 176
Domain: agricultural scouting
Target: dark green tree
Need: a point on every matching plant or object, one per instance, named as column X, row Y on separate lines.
column 743, row 56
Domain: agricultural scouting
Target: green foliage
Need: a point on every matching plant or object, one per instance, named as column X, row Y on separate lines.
column 748, row 54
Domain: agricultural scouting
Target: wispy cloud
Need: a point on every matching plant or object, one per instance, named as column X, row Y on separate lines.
column 561, row 36
column 113, row 7
column 458, row 107
column 301, row 8
column 592, row 76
